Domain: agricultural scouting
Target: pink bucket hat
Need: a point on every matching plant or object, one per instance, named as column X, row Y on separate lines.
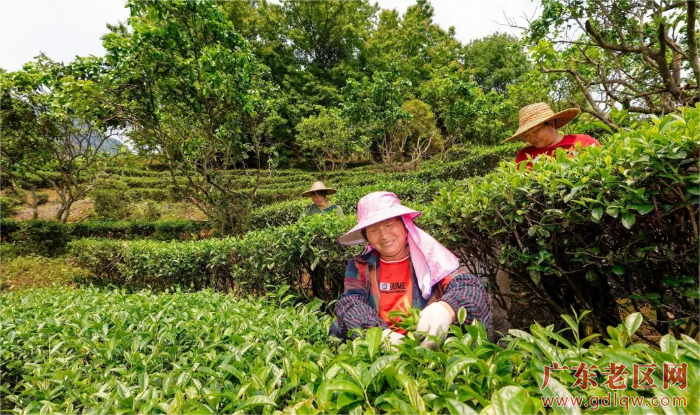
column 374, row 208
column 431, row 260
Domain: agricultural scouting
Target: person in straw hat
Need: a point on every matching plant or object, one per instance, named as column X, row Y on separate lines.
column 539, row 125
column 403, row 267
column 319, row 194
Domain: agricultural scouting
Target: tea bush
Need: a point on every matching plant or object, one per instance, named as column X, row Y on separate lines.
column 111, row 203
column 49, row 238
column 284, row 213
column 282, row 255
column 617, row 221
column 92, row 351
column 42, row 198
column 44, row 238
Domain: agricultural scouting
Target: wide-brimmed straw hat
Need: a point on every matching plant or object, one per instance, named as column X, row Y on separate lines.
column 318, row 187
column 533, row 115
column 374, row 208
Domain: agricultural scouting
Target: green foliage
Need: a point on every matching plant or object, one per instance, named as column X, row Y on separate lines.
column 277, row 214
column 42, row 198
column 637, row 56
column 187, row 82
column 416, row 137
column 40, row 237
column 49, row 238
column 374, row 108
column 39, row 272
column 9, row 205
column 53, row 122
column 497, row 61
column 617, row 220
column 112, row 204
column 247, row 263
column 210, row 352
column 467, row 113
column 327, row 138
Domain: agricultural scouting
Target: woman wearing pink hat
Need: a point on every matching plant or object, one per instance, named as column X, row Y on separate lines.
column 403, row 267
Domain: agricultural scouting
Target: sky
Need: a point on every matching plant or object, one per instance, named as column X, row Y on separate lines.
column 63, row 29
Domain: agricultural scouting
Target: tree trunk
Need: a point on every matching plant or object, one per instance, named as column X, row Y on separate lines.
column 35, row 208
column 64, row 211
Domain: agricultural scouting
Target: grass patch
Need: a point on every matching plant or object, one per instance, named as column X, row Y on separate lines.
column 40, row 272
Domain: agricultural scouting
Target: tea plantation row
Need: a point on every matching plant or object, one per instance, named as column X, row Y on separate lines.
column 282, row 187
column 90, row 351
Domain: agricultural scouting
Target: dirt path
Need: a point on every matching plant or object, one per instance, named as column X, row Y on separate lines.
column 47, row 211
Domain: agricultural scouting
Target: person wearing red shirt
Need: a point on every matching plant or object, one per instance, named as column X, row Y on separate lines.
column 539, row 125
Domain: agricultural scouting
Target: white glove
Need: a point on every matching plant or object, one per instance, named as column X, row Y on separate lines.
column 435, row 320
column 392, row 337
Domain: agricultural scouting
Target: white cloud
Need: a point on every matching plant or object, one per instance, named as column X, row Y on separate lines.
column 65, row 28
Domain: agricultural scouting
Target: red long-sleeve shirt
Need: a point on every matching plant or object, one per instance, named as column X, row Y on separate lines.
column 566, row 143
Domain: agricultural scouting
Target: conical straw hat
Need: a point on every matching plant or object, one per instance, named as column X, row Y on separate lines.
column 533, row 115
column 318, row 187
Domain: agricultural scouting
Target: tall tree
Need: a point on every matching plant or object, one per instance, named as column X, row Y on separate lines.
column 465, row 113
column 52, row 122
column 183, row 80
column 497, row 61
column 413, row 43
column 374, row 108
column 639, row 54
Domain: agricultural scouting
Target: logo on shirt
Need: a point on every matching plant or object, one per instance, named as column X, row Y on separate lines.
column 385, row 286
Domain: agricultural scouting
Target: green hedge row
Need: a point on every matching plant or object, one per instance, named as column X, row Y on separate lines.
column 131, row 172
column 38, row 181
column 413, row 186
column 49, row 238
column 617, row 221
column 281, row 255
column 286, row 185
column 284, row 213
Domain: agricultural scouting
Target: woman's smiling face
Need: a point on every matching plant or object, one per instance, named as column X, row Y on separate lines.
column 389, row 238
column 544, row 135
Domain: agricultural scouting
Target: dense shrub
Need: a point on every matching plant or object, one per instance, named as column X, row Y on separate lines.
column 111, row 203
column 130, row 172
column 113, row 352
column 282, row 255
column 170, row 193
column 42, row 198
column 40, row 182
column 9, row 205
column 480, row 161
column 617, row 221
column 158, row 230
column 49, row 238
column 41, row 237
column 277, row 214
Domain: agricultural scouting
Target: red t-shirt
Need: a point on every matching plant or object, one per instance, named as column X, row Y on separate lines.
column 567, row 142
column 396, row 289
